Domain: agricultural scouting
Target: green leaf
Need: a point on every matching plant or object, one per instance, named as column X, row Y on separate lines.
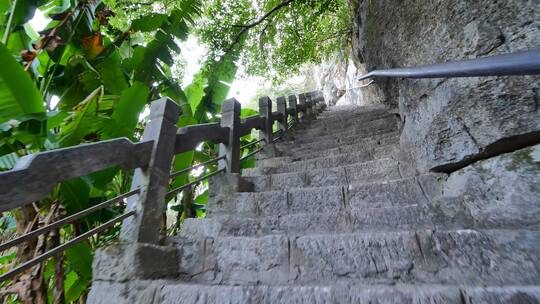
column 75, row 194
column 112, row 76
column 18, row 94
column 248, row 163
column 202, row 198
column 198, row 207
column 246, row 112
column 7, row 258
column 24, row 11
column 83, row 121
column 195, row 91
column 175, row 92
column 178, row 208
column 127, row 110
column 8, row 161
column 149, row 23
column 79, row 260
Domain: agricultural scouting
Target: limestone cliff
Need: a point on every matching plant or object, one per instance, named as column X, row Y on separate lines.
column 337, row 79
column 450, row 123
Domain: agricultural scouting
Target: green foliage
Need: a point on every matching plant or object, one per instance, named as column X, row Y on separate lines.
column 18, row 94
column 277, row 45
column 126, row 111
column 105, row 61
column 104, row 78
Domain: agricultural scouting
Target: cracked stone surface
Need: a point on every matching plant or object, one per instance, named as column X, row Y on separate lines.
column 450, row 120
column 344, row 223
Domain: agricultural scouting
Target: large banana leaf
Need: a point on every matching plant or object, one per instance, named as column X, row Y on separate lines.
column 126, row 111
column 84, row 120
column 18, row 94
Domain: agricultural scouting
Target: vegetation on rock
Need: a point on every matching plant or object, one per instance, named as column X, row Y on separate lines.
column 90, row 75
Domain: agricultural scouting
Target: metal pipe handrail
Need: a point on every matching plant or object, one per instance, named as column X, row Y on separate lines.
column 67, row 220
column 251, row 154
column 26, row 265
column 252, row 143
column 519, row 63
column 175, row 174
column 198, row 180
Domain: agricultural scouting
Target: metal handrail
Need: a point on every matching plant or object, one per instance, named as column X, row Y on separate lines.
column 251, row 154
column 190, row 184
column 67, row 220
column 26, row 265
column 252, row 143
column 175, row 174
column 519, row 63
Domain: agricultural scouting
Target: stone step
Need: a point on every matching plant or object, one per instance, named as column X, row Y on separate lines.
column 394, row 193
column 477, row 257
column 389, row 151
column 338, row 120
column 369, row 138
column 340, row 220
column 349, row 145
column 366, row 129
column 279, row 202
column 365, row 172
column 169, row 292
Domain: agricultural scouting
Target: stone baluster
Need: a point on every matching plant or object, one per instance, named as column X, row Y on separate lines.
column 282, row 109
column 293, row 106
column 230, row 118
column 266, row 132
column 302, row 102
column 152, row 181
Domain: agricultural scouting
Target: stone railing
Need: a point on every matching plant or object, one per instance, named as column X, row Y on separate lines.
column 34, row 176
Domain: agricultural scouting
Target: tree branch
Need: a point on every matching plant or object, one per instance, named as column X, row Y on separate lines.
column 247, row 27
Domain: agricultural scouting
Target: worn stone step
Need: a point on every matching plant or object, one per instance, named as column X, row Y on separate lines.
column 337, row 121
column 336, row 221
column 279, row 202
column 340, row 219
column 348, row 146
column 169, row 292
column 307, row 222
column 370, row 137
column 395, row 193
column 377, row 170
column 389, row 151
column 393, row 198
column 309, row 133
column 424, row 256
column 366, row 129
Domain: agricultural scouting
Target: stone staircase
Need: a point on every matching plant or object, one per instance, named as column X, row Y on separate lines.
column 336, row 220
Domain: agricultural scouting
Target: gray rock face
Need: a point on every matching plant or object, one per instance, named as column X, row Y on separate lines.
column 448, row 123
column 502, row 191
column 341, row 222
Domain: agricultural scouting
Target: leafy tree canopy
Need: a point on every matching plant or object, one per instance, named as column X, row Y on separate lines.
column 276, row 36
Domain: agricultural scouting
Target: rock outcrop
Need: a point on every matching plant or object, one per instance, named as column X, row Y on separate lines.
column 451, row 123
column 337, row 79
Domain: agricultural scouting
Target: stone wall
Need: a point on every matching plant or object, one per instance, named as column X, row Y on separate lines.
column 451, row 123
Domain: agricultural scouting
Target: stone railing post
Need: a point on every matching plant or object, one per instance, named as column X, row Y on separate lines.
column 282, row 109
column 302, row 102
column 152, row 181
column 320, row 101
column 292, row 105
column 230, row 118
column 310, row 105
column 266, row 132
